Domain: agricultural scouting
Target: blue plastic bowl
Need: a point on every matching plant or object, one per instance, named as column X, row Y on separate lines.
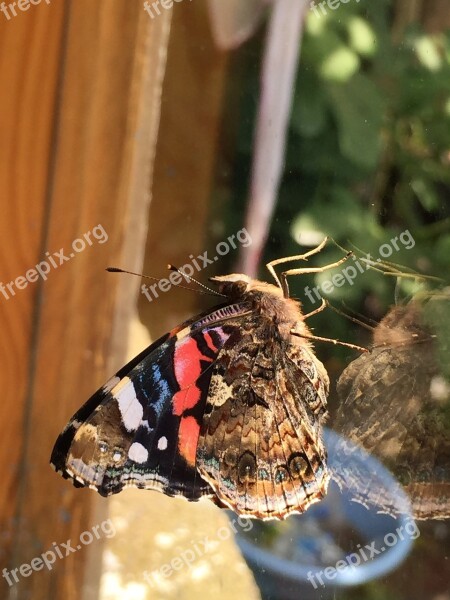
column 283, row 578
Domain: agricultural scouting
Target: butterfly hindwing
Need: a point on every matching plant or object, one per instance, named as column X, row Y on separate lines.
column 260, row 444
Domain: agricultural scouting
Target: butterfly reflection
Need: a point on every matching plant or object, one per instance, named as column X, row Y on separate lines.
column 395, row 404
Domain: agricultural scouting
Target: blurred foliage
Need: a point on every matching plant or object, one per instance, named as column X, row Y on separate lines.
column 367, row 159
column 368, row 152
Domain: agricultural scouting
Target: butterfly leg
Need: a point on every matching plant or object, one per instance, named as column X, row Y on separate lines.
column 322, row 339
column 317, row 310
column 303, row 271
column 329, row 340
column 282, row 280
column 270, row 266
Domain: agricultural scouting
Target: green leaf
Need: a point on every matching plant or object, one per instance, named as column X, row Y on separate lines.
column 428, row 53
column 341, row 217
column 363, row 38
column 426, row 194
column 340, row 65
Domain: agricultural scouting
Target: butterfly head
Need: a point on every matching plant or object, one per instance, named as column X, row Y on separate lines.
column 233, row 286
column 239, row 286
column 265, row 298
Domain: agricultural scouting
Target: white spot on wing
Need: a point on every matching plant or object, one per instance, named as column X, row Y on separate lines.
column 138, row 452
column 117, row 456
column 130, row 408
column 162, row 443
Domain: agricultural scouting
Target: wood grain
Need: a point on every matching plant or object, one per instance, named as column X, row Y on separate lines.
column 30, row 46
column 83, row 77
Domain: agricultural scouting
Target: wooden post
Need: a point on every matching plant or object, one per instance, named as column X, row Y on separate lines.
column 80, row 85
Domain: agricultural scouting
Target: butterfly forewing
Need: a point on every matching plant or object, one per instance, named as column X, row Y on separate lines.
column 141, row 429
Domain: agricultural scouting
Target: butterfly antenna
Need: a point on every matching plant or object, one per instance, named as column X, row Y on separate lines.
column 211, row 291
column 117, row 270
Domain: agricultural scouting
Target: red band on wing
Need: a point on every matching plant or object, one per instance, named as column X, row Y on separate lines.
column 209, row 341
column 187, row 366
column 185, row 399
column 188, row 439
column 188, row 369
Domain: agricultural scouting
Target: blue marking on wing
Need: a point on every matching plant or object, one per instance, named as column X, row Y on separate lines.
column 154, row 387
column 162, row 391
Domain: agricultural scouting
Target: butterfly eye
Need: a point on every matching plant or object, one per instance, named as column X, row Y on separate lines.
column 103, row 447
column 233, row 289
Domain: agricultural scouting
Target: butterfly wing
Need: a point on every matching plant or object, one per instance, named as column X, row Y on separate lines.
column 260, row 444
column 141, row 429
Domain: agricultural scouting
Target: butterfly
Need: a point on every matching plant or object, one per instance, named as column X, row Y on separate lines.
column 395, row 404
column 228, row 406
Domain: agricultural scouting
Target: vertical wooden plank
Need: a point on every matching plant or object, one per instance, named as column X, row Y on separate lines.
column 145, row 104
column 30, row 56
column 111, row 63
